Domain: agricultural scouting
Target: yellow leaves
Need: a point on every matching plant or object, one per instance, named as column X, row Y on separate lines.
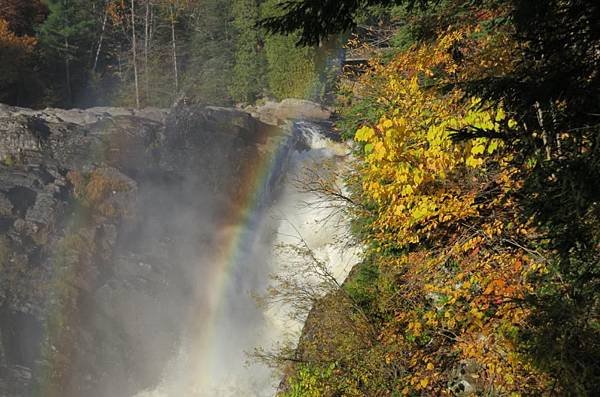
column 473, row 162
column 451, row 323
column 493, row 145
column 471, row 243
column 470, row 351
column 415, row 328
column 409, row 152
column 478, row 148
column 424, row 209
column 500, row 115
column 364, row 134
column 476, row 313
column 418, row 177
column 379, row 151
column 454, row 290
column 430, row 319
column 386, row 123
column 407, row 190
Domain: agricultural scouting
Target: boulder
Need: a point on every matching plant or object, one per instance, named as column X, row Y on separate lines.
column 277, row 113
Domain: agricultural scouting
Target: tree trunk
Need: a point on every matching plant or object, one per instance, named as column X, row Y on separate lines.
column 134, row 54
column 174, row 46
column 540, row 117
column 68, row 73
column 120, row 62
column 101, row 39
column 146, row 44
column 67, row 61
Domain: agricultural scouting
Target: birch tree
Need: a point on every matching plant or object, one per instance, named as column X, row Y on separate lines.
column 134, row 55
column 147, row 22
column 101, row 38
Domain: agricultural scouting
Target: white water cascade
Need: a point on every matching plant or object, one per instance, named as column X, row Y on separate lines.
column 217, row 365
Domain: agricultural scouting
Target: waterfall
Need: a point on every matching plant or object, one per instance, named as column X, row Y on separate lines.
column 211, row 360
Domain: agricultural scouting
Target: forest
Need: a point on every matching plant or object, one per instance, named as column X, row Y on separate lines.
column 474, row 186
column 81, row 53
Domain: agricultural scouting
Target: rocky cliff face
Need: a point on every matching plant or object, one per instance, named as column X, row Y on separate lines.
column 95, row 262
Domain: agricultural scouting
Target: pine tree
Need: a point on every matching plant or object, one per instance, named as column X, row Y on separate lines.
column 65, row 38
column 291, row 70
column 249, row 66
column 210, row 58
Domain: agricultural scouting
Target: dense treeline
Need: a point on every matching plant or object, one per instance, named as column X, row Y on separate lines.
column 475, row 192
column 148, row 53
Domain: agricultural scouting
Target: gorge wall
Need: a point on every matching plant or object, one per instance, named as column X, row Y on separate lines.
column 102, row 213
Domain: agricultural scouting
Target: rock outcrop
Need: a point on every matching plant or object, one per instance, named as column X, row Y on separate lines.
column 277, row 113
column 91, row 248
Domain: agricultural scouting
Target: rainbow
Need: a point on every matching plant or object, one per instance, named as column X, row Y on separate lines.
column 243, row 217
column 246, row 215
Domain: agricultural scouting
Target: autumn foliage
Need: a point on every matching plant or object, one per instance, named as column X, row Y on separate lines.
column 16, row 48
column 97, row 189
column 445, row 228
column 452, row 262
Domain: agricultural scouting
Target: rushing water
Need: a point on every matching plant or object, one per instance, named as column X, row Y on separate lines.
column 212, row 359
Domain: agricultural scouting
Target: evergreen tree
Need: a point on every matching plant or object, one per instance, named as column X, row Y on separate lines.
column 210, row 58
column 248, row 72
column 316, row 20
column 66, row 39
column 291, row 70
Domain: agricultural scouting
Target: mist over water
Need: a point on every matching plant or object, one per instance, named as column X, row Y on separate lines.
column 225, row 322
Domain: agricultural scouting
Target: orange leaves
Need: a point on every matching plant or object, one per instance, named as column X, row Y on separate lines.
column 117, row 12
column 494, row 287
column 15, row 48
column 10, row 39
column 461, row 296
column 461, row 306
column 445, row 225
column 97, row 189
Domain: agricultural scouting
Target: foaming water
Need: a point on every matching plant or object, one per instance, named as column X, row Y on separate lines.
column 212, row 358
